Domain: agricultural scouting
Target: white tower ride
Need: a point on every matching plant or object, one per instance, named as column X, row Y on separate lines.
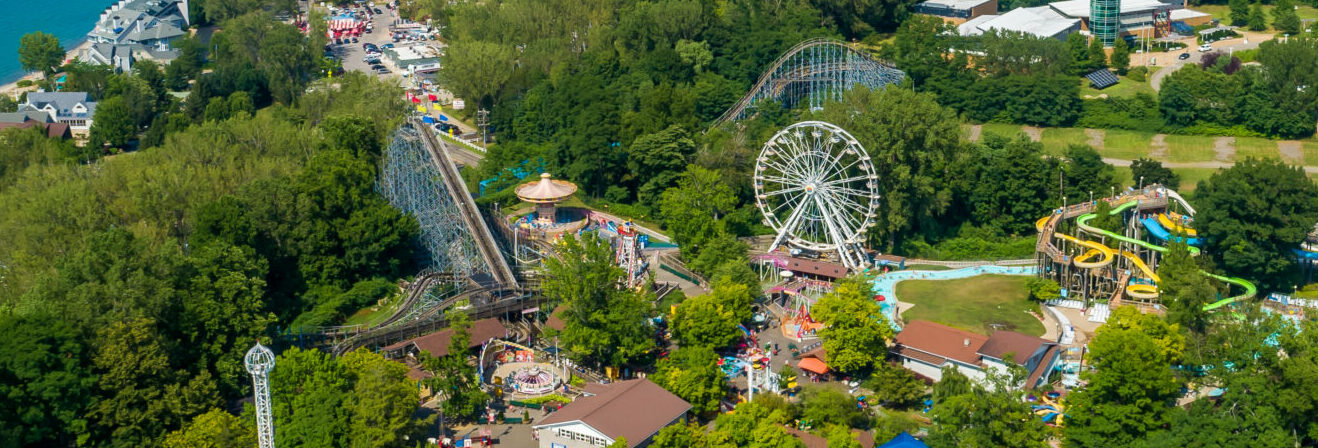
column 259, row 361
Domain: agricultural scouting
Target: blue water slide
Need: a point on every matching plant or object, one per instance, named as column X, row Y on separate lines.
column 1306, row 255
column 1160, row 232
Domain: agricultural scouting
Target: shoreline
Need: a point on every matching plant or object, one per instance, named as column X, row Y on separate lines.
column 12, row 90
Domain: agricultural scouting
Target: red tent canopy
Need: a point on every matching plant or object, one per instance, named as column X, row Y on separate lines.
column 813, row 365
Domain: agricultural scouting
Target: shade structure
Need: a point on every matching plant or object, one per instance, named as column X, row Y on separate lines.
column 545, row 190
column 544, row 193
column 904, row 440
column 813, row 365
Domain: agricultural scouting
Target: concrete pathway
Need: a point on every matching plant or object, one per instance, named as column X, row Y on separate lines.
column 1158, row 147
column 1096, row 137
column 1210, row 165
column 1291, row 151
column 1224, row 149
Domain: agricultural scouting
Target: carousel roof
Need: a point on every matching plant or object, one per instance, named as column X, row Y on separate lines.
column 545, row 190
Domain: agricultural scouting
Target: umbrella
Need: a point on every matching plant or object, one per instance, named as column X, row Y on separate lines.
column 433, row 98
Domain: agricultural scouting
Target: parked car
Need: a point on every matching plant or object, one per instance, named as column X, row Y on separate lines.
column 354, row 40
column 1183, row 56
column 377, row 66
column 382, row 71
column 1206, row 47
column 445, row 127
column 387, row 46
column 378, row 11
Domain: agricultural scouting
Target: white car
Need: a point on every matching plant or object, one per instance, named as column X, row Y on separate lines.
column 1206, row 47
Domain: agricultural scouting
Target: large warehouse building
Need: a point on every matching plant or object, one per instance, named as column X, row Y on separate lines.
column 1149, row 18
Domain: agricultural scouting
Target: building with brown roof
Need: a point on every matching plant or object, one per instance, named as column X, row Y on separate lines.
column 820, row 269
column 29, row 119
column 635, row 410
column 437, row 343
column 925, row 348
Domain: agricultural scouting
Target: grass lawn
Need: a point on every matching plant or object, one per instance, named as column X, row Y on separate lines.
column 1126, row 145
column 1257, row 147
column 1003, row 129
column 1223, row 12
column 370, row 316
column 1124, row 89
column 1056, row 140
column 1189, row 148
column 1310, row 153
column 1190, row 177
column 974, row 304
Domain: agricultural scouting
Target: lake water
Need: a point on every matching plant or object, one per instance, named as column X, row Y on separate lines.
column 69, row 20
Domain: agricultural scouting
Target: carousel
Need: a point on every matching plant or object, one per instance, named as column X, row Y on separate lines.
column 547, row 220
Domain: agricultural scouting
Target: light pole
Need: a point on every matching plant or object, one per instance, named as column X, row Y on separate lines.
column 1091, row 195
column 1114, row 190
column 1141, row 182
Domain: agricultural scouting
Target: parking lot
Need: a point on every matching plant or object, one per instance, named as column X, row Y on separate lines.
column 352, row 53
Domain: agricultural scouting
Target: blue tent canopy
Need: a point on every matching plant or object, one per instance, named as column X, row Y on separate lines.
column 427, row 119
column 904, row 440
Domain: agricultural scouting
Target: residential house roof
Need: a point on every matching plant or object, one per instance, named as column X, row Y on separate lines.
column 63, row 102
column 437, row 343
column 24, row 116
column 941, row 340
column 634, row 409
column 1022, row 345
column 53, row 130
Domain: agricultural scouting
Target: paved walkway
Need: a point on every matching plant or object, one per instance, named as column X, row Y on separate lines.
column 1209, row 165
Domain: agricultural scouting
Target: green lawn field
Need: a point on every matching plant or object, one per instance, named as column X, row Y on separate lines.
column 1124, row 89
column 975, row 304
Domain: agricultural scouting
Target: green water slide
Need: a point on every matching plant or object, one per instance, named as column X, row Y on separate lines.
column 1250, row 289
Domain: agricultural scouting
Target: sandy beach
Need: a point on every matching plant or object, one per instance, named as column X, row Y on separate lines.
column 12, row 88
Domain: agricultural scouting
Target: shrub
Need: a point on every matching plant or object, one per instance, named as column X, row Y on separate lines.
column 25, row 83
column 1139, row 74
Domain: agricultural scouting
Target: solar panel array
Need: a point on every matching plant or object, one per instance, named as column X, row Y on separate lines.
column 1102, row 79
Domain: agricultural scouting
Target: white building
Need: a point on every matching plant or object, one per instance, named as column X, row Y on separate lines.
column 925, row 348
column 141, row 29
column 72, row 108
column 635, row 410
column 1058, row 19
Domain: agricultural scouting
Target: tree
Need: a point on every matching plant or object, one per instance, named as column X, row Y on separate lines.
column 1183, row 289
column 656, row 160
column 1284, row 18
column 711, row 320
column 214, row 429
column 112, row 124
column 695, row 54
column 996, row 415
column 680, row 436
column 1132, row 386
column 1254, row 214
column 1239, row 12
column 755, row 424
column 895, row 386
column 603, row 324
column 822, row 405
column 38, row 51
column 477, row 70
column 46, row 379
column 693, row 374
column 856, row 331
column 1043, row 289
column 7, row 104
column 1079, row 50
column 1146, row 171
column 918, row 139
column 1257, row 21
column 692, row 209
column 1097, row 57
column 384, row 400
column 839, row 436
column 454, row 377
column 1086, row 172
column 1120, row 56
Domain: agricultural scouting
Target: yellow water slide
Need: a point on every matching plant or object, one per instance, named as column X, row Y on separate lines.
column 1175, row 227
column 1103, row 254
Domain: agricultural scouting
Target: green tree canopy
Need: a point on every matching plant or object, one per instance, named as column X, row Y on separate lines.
column 856, row 332
column 38, row 51
column 1253, row 215
column 112, row 124
column 693, row 374
column 1146, row 171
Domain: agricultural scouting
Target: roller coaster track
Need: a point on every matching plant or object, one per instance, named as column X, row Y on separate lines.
column 485, row 243
column 484, row 302
column 815, row 70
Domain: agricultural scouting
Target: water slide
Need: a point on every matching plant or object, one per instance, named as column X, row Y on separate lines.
column 1083, row 222
column 1180, row 229
column 1159, row 230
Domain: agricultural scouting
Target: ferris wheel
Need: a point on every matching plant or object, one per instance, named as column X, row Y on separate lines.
column 817, row 189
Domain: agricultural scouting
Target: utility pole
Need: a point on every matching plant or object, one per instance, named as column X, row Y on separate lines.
column 259, row 362
column 483, row 120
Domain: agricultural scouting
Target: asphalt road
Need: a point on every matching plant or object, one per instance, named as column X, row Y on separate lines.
column 1249, row 41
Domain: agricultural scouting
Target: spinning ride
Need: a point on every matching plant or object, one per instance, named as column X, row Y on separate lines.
column 817, row 189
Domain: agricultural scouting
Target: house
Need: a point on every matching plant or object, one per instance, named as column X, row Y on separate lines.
column 28, row 119
column 634, row 409
column 925, row 348
column 133, row 29
column 437, row 343
column 74, row 109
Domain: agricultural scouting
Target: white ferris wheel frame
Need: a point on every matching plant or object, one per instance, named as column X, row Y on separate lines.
column 829, row 189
